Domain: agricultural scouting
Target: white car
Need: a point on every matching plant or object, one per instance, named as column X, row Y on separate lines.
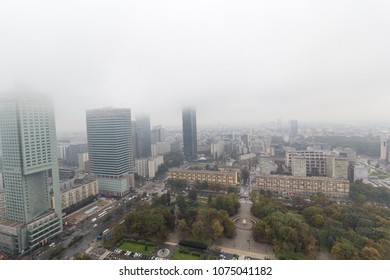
column 94, row 225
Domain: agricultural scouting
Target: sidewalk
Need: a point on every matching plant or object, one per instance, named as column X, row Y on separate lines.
column 252, row 255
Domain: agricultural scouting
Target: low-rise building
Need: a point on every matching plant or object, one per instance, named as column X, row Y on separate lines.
column 333, row 188
column 147, row 167
column 160, row 148
column 223, row 178
column 74, row 191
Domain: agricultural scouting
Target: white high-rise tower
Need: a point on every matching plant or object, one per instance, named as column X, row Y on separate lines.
column 31, row 181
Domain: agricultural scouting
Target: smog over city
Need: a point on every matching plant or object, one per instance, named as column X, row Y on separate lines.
column 238, row 62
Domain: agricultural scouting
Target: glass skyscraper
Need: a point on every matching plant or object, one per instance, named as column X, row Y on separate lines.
column 110, row 149
column 31, row 183
column 189, row 134
column 144, row 140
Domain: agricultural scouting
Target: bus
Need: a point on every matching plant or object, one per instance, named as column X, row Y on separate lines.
column 93, row 220
column 106, row 231
column 102, row 214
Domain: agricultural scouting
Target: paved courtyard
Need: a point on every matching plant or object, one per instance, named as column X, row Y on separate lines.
column 243, row 243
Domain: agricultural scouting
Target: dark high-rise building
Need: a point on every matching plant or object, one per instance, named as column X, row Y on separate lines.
column 110, row 149
column 158, row 134
column 143, row 136
column 189, row 134
column 293, row 130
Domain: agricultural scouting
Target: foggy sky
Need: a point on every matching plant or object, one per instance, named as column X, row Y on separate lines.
column 236, row 61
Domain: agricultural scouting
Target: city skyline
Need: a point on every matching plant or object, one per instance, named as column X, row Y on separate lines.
column 235, row 62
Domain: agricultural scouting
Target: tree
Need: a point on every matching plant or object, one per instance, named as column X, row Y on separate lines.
column 80, row 256
column 192, row 195
column 245, row 175
column 315, row 216
column 217, row 229
column 343, row 249
column 182, row 226
column 181, row 203
column 369, row 253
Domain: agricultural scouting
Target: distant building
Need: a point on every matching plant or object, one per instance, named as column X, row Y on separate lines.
column 158, row 134
column 223, row 178
column 360, row 172
column 190, row 145
column 306, row 186
column 293, row 133
column 66, row 173
column 109, row 149
column 217, row 149
column 266, row 164
column 384, row 142
column 72, row 153
column 83, row 159
column 161, row 148
column 61, row 151
column 298, row 166
column 147, row 167
column 315, row 161
column 347, row 153
column 337, row 167
column 134, row 140
column 29, row 148
column 143, row 136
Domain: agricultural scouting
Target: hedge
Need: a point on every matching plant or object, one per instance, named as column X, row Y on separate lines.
column 193, row 244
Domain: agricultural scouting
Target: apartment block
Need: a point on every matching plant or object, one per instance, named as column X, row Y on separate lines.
column 147, row 167
column 73, row 193
column 223, row 178
column 306, row 186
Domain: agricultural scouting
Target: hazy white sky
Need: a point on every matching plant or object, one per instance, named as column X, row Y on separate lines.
column 236, row 61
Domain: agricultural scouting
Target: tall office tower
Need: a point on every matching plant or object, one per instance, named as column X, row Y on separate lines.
column 109, row 150
column 293, row 131
column 158, row 134
column 189, row 134
column 28, row 137
column 73, row 151
column 134, row 140
column 384, row 140
column 144, row 140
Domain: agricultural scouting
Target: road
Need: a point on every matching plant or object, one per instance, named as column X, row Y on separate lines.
column 117, row 210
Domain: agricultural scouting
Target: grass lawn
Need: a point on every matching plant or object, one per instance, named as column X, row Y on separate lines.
column 380, row 174
column 180, row 256
column 136, row 247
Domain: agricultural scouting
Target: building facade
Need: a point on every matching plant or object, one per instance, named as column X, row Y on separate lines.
column 298, row 166
column 305, row 186
column 158, row 134
column 190, row 144
column 143, row 136
column 266, row 165
column 76, row 193
column 223, row 178
column 316, row 164
column 147, row 167
column 337, row 167
column 160, row 148
column 28, row 137
column 110, row 150
column 384, row 142
column 3, row 215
